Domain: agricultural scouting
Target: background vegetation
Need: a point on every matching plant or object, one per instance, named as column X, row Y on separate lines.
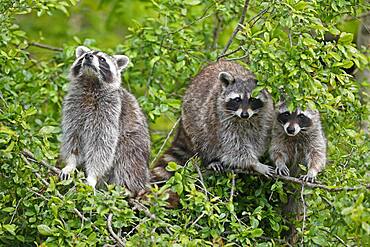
column 284, row 42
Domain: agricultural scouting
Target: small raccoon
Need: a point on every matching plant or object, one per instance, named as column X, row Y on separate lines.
column 221, row 122
column 103, row 127
column 297, row 137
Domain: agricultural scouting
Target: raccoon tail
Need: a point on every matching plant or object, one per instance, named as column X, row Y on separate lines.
column 179, row 152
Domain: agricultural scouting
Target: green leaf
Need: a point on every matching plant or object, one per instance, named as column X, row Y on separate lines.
column 10, row 228
column 44, row 230
column 345, row 38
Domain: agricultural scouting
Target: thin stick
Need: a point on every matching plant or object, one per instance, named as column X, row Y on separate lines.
column 337, row 237
column 201, row 180
column 197, row 219
column 232, row 187
column 119, row 241
column 165, row 141
column 308, row 184
column 237, row 28
column 304, row 213
column 43, row 46
column 32, row 158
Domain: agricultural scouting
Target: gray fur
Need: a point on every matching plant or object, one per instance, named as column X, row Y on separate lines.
column 103, row 127
column 308, row 146
column 221, row 138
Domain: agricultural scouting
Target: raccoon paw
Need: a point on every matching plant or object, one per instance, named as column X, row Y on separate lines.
column 64, row 175
column 265, row 170
column 282, row 170
column 307, row 178
column 216, row 166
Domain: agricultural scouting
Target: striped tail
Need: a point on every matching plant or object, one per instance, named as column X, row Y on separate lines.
column 179, row 152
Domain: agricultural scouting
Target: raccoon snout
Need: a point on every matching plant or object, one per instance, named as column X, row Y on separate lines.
column 88, row 57
column 290, row 130
column 244, row 115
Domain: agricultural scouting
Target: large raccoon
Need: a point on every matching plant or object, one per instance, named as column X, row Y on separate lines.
column 103, row 126
column 297, row 137
column 221, row 122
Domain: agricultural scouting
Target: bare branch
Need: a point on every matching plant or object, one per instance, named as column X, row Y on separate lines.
column 165, row 141
column 201, row 180
column 43, row 46
column 304, row 214
column 237, row 28
column 308, row 184
column 32, row 158
column 232, row 187
column 119, row 241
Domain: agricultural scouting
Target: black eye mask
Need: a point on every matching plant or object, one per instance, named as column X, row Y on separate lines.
column 302, row 120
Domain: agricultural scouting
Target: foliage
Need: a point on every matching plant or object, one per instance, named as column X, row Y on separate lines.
column 170, row 42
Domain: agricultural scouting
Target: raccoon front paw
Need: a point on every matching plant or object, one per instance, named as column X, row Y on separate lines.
column 282, row 170
column 64, row 175
column 216, row 166
column 307, row 178
column 265, row 170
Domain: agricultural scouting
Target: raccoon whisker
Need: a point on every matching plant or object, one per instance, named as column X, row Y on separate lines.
column 228, row 118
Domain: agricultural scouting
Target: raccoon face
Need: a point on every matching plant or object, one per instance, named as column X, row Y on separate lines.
column 295, row 122
column 237, row 95
column 99, row 65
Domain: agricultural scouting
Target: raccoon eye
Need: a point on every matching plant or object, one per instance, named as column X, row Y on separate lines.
column 102, row 59
column 285, row 114
column 238, row 99
column 301, row 116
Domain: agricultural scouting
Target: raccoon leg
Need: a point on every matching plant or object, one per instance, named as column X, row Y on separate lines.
column 265, row 170
column 315, row 161
column 71, row 164
column 281, row 167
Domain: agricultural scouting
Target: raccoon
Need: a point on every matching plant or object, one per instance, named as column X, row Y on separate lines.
column 297, row 137
column 103, row 127
column 221, row 122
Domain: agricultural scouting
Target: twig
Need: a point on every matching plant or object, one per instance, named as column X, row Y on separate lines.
column 165, row 141
column 216, row 31
column 308, row 184
column 15, row 211
column 257, row 17
column 119, row 241
column 134, row 228
column 48, row 47
column 137, row 205
column 237, row 28
column 232, row 187
column 230, row 53
column 32, row 158
column 238, row 58
column 197, row 219
column 304, row 213
column 203, row 16
column 337, row 237
column 201, row 180
column 46, row 183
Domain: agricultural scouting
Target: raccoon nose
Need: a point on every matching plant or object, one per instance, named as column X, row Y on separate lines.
column 290, row 130
column 244, row 115
column 88, row 56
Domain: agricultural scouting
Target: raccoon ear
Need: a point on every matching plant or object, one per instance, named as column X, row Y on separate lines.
column 80, row 50
column 122, row 61
column 281, row 106
column 226, row 78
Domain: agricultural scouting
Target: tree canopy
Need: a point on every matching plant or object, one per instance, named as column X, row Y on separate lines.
column 305, row 48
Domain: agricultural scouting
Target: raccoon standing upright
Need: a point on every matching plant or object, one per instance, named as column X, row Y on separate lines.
column 103, row 127
column 297, row 137
column 221, row 122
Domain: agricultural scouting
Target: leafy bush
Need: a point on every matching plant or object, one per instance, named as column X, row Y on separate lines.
column 282, row 42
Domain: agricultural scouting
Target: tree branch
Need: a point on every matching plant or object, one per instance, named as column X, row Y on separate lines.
column 43, row 46
column 120, row 242
column 237, row 28
column 308, row 184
